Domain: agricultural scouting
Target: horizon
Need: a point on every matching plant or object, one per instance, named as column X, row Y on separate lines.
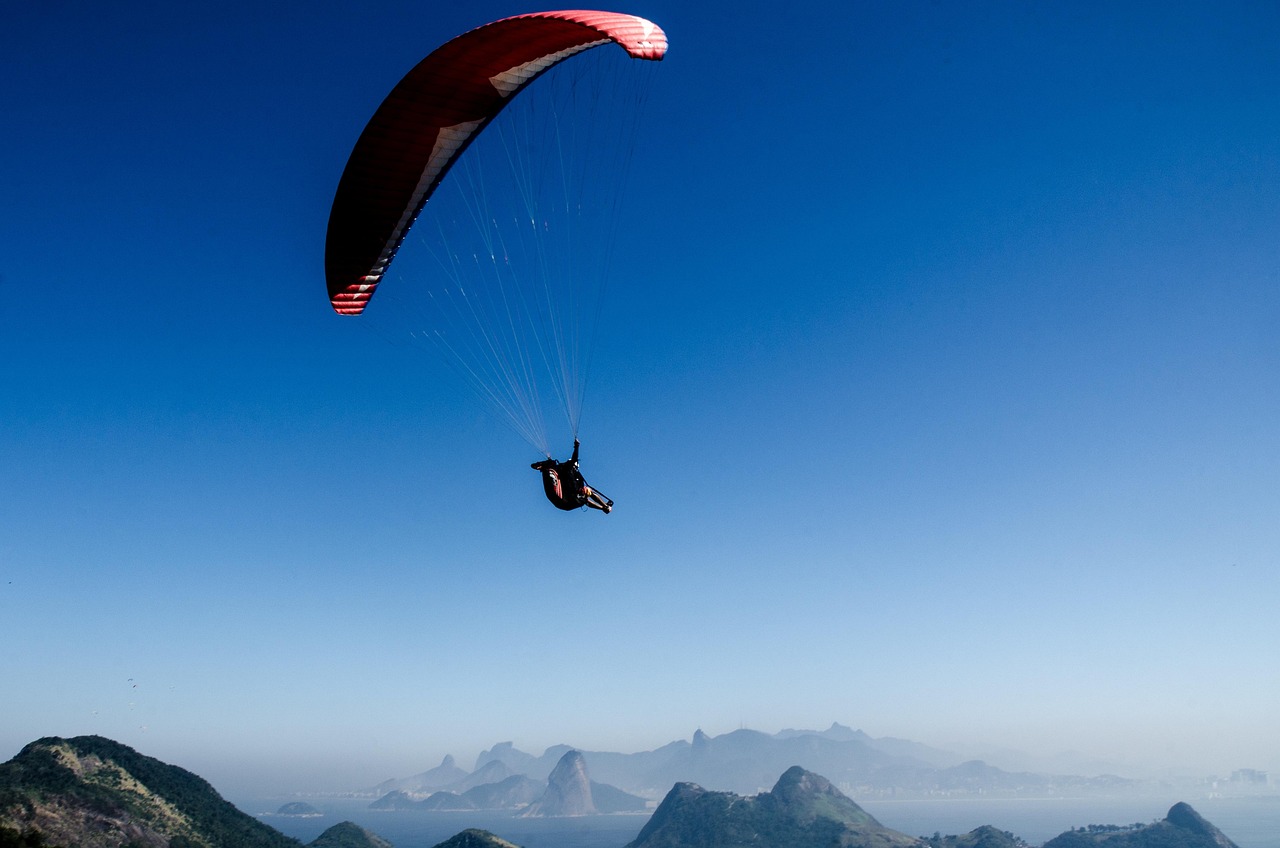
column 1005, row 758
column 936, row 382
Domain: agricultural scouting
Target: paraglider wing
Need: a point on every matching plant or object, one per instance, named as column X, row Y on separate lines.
column 431, row 116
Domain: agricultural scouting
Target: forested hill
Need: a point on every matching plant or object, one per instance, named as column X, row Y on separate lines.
column 91, row 792
column 1183, row 827
column 802, row 811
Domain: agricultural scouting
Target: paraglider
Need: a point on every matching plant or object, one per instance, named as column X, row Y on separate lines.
column 565, row 487
column 520, row 345
column 431, row 117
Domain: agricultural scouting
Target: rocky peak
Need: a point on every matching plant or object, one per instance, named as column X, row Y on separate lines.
column 504, row 751
column 1183, row 817
column 806, row 796
column 568, row 790
column 798, row 783
column 803, row 810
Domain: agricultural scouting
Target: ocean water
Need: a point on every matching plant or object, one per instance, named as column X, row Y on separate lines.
column 421, row 829
column 1249, row 822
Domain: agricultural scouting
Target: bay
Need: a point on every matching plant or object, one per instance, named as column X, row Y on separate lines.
column 424, row 829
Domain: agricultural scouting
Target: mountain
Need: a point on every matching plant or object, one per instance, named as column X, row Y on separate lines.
column 445, row 774
column 1062, row 762
column 571, row 792
column 444, row 779
column 563, row 794
column 886, row 744
column 982, row 837
column 803, row 810
column 747, row 761
column 611, row 799
column 441, row 800
column 1183, row 827
column 518, row 761
column 568, row 790
column 493, row 771
column 397, row 800
column 473, row 838
column 91, row 792
column 515, row 791
column 348, row 835
column 744, row 760
column 837, row 731
column 298, row 809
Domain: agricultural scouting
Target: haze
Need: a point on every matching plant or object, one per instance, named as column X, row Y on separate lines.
column 944, row 403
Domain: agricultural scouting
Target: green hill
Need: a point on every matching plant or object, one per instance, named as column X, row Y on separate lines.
column 91, row 792
column 982, row 837
column 1183, row 827
column 802, row 811
column 348, row 835
column 473, row 838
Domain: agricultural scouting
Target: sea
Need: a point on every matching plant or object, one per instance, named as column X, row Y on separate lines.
column 1250, row 822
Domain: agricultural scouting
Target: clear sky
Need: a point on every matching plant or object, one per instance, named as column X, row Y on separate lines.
column 944, row 405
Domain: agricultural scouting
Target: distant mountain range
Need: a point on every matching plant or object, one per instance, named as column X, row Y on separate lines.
column 91, row 792
column 567, row 791
column 747, row 761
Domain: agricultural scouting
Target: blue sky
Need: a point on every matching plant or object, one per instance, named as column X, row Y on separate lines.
column 944, row 403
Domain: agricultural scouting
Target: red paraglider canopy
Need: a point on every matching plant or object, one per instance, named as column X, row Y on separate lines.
column 431, row 116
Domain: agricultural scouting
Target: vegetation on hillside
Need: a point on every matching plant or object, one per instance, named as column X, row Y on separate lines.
column 106, row 783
